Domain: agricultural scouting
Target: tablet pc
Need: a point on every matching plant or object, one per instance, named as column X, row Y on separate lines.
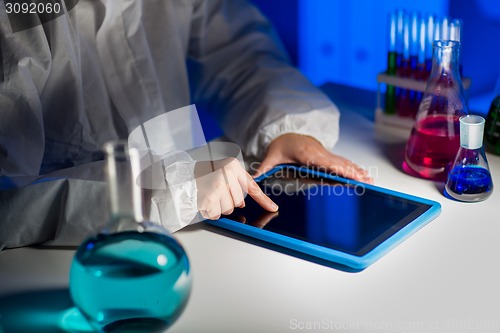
column 329, row 217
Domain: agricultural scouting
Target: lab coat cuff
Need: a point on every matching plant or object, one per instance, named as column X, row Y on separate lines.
column 321, row 124
column 176, row 207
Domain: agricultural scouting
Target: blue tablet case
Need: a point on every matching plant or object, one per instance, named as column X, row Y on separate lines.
column 331, row 255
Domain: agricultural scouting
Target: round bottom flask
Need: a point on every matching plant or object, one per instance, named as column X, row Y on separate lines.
column 134, row 276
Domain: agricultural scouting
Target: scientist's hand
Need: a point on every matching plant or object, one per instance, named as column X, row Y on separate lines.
column 305, row 150
column 221, row 190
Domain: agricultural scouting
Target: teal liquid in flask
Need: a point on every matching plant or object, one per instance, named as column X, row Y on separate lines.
column 133, row 276
column 469, row 179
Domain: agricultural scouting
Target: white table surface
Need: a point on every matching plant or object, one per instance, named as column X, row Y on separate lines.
column 444, row 278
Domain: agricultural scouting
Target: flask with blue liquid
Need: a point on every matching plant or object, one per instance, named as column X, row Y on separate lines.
column 469, row 178
column 133, row 276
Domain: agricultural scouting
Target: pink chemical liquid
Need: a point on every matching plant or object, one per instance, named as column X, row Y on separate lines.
column 433, row 145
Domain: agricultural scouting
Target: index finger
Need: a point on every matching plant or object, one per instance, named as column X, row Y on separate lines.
column 250, row 187
column 260, row 197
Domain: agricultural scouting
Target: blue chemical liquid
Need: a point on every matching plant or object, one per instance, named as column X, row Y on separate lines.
column 130, row 281
column 469, row 183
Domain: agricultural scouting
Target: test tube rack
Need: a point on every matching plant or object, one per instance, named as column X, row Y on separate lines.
column 395, row 120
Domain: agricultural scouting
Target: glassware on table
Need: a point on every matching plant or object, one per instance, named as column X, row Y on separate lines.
column 469, row 178
column 455, row 34
column 133, row 276
column 399, row 49
column 421, row 72
column 415, row 26
column 403, row 103
column 435, row 140
column 390, row 94
column 429, row 41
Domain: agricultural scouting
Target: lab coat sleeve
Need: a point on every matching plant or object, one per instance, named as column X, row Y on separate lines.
column 35, row 213
column 26, row 67
column 171, row 182
column 67, row 206
column 64, row 207
column 242, row 76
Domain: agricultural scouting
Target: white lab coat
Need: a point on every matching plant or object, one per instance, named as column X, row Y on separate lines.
column 97, row 72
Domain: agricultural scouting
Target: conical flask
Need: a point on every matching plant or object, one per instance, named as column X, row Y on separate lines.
column 470, row 179
column 435, row 139
column 133, row 276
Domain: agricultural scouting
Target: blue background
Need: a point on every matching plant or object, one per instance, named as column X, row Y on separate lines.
column 346, row 41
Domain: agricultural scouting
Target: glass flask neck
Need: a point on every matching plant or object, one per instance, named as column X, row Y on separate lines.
column 122, row 165
column 445, row 59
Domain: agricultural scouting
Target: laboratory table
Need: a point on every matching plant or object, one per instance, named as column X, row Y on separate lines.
column 444, row 278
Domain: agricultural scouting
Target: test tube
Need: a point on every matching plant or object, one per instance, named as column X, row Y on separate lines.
column 437, row 30
column 404, row 66
column 455, row 29
column 414, row 32
column 392, row 31
column 421, row 73
column 421, row 54
column 390, row 92
column 399, row 48
column 428, row 43
column 414, row 44
column 399, row 36
column 455, row 34
column 403, row 99
column 445, row 28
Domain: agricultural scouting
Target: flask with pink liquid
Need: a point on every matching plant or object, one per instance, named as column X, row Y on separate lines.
column 435, row 137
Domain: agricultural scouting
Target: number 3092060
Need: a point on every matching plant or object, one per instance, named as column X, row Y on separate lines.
column 32, row 8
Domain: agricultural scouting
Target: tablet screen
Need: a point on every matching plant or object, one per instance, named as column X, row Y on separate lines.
column 344, row 217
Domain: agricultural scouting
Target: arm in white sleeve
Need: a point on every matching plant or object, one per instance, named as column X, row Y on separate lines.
column 174, row 205
column 242, row 75
column 323, row 125
column 41, row 90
